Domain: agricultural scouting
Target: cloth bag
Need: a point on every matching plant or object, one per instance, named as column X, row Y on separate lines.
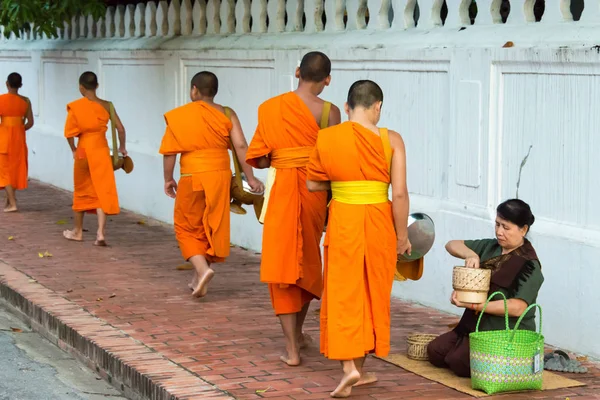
column 507, row 360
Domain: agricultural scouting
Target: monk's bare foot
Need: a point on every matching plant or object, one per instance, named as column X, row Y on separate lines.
column 9, row 209
column 304, row 340
column 366, row 378
column 73, row 235
column 291, row 360
column 344, row 389
column 202, row 286
column 194, row 282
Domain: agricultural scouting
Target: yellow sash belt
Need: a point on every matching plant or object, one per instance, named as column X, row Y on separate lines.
column 204, row 161
column 293, row 157
column 12, row 121
column 360, row 192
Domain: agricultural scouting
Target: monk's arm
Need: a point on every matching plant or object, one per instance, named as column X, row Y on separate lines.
column 400, row 200
column 120, row 131
column 318, row 186
column 263, row 162
column 335, row 116
column 516, row 307
column 239, row 143
column 169, row 161
column 71, row 142
column 29, row 118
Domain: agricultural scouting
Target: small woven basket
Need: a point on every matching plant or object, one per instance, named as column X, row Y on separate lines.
column 471, row 284
column 417, row 346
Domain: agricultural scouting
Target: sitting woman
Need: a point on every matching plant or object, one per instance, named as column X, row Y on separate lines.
column 516, row 272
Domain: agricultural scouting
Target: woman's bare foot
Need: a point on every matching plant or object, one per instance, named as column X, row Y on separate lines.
column 202, row 287
column 344, row 389
column 73, row 235
column 366, row 378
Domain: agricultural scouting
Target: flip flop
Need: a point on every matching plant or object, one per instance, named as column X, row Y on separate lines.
column 100, row 243
column 559, row 361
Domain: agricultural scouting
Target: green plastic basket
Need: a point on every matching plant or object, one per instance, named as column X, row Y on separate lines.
column 508, row 360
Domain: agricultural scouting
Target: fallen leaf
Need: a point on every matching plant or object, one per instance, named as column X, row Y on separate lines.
column 10, row 237
column 40, row 255
column 70, row 291
column 582, row 358
column 46, row 254
column 32, row 281
column 452, row 326
column 141, row 222
column 17, row 330
column 61, row 222
column 508, row 44
column 317, row 311
column 184, row 267
column 112, row 295
column 259, row 391
column 99, row 299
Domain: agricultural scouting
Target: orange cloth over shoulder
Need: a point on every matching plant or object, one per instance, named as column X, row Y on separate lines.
column 94, row 178
column 200, row 133
column 360, row 246
column 13, row 146
column 294, row 220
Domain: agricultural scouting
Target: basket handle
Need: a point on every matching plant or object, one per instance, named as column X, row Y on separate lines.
column 535, row 305
column 485, row 306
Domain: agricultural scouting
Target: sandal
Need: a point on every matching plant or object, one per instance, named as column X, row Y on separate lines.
column 559, row 361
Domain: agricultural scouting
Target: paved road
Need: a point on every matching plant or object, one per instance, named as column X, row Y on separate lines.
column 31, row 368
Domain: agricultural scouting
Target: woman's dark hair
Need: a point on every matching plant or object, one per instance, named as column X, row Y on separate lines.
column 516, row 211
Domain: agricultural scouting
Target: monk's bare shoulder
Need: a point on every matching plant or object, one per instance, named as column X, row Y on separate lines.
column 396, row 140
column 335, row 115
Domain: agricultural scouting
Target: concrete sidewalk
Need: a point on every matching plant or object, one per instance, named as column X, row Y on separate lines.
column 126, row 311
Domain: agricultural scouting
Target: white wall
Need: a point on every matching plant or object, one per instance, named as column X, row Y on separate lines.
column 469, row 111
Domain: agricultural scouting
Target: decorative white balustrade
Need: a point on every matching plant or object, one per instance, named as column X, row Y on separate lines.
column 226, row 17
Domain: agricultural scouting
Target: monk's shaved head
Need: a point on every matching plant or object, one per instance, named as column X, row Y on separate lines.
column 364, row 94
column 89, row 80
column 206, row 83
column 315, row 67
column 14, row 80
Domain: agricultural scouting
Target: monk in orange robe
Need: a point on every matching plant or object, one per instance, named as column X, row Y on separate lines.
column 17, row 118
column 95, row 189
column 293, row 217
column 201, row 132
column 365, row 234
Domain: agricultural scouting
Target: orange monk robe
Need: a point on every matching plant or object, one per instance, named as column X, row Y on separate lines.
column 294, row 220
column 13, row 147
column 94, row 178
column 200, row 133
column 360, row 246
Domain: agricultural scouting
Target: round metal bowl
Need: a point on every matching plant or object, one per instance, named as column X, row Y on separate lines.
column 421, row 234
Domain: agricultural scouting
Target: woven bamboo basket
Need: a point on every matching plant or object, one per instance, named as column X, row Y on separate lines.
column 471, row 284
column 417, row 346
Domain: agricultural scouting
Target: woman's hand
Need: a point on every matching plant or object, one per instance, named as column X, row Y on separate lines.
column 454, row 300
column 472, row 261
column 123, row 150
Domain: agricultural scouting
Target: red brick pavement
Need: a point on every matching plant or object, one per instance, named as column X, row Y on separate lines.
column 226, row 345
